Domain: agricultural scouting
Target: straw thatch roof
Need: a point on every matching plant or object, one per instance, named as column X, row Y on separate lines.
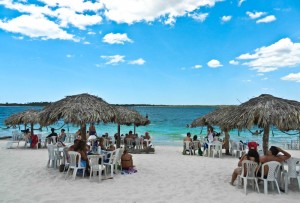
column 264, row 111
column 126, row 116
column 25, row 117
column 214, row 117
column 78, row 109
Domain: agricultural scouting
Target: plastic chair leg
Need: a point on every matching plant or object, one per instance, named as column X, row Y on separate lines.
column 277, row 186
column 265, row 186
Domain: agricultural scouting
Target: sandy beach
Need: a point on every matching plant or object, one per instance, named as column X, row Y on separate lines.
column 166, row 176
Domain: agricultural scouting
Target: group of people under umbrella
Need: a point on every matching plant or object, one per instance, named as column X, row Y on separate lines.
column 80, row 110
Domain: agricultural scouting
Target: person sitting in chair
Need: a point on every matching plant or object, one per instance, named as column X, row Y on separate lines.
column 53, row 134
column 252, row 155
column 126, row 160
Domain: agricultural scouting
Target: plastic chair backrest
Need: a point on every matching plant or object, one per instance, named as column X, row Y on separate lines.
column 273, row 167
column 249, row 168
column 50, row 148
column 196, row 144
column 292, row 167
column 187, row 145
column 74, row 161
column 94, row 160
column 112, row 157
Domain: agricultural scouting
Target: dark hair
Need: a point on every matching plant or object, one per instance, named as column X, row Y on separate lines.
column 81, row 145
column 274, row 150
column 52, row 129
column 253, row 153
column 63, row 130
column 195, row 137
column 188, row 134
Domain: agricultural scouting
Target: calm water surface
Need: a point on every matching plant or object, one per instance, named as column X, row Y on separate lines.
column 168, row 125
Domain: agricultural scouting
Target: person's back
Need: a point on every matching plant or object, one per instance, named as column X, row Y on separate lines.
column 126, row 160
column 188, row 137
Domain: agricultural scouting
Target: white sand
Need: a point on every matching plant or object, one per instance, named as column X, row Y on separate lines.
column 166, row 176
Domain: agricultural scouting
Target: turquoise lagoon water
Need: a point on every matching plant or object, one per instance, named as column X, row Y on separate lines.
column 168, row 125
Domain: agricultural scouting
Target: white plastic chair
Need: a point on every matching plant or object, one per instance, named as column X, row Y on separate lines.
column 129, row 143
column 292, row 172
column 187, row 146
column 248, row 173
column 96, row 167
column 111, row 161
column 274, row 168
column 196, row 146
column 139, row 143
column 53, row 157
column 75, row 164
column 217, row 149
column 118, row 159
column 238, row 149
column 16, row 138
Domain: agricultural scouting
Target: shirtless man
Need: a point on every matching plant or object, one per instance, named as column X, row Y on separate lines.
column 272, row 155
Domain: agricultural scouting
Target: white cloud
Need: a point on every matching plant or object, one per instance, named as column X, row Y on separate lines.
column 200, row 17
column 247, row 81
column 67, row 16
column 75, row 5
column 18, row 38
column 267, row 19
column 260, row 74
column 139, row 61
column 226, row 18
column 283, row 53
column 91, row 33
column 197, row 66
column 114, row 60
column 255, row 15
column 69, row 56
column 132, row 11
column 36, row 27
column 233, row 62
column 86, row 42
column 240, row 2
column 292, row 77
column 265, row 78
column 117, row 38
column 214, row 63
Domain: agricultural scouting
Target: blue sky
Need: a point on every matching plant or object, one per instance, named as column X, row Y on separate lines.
column 149, row 51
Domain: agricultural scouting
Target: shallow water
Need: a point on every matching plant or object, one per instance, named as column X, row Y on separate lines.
column 168, row 125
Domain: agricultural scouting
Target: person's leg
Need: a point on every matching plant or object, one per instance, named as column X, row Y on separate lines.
column 235, row 174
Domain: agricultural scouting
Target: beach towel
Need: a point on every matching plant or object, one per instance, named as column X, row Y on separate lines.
column 128, row 171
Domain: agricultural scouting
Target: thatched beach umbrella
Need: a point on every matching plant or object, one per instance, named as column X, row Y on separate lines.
column 79, row 110
column 29, row 116
column 215, row 118
column 126, row 116
column 265, row 111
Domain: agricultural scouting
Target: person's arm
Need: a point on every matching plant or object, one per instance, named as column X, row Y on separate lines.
column 285, row 156
column 242, row 159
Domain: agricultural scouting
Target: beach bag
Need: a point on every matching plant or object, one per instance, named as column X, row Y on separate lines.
column 200, row 153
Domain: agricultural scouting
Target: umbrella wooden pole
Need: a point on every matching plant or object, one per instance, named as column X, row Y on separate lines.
column 266, row 139
column 227, row 137
column 31, row 130
column 119, row 137
column 83, row 132
column 134, row 129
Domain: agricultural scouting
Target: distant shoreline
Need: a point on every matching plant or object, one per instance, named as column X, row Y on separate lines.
column 141, row 105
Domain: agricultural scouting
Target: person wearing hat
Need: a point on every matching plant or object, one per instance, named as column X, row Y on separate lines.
column 53, row 134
